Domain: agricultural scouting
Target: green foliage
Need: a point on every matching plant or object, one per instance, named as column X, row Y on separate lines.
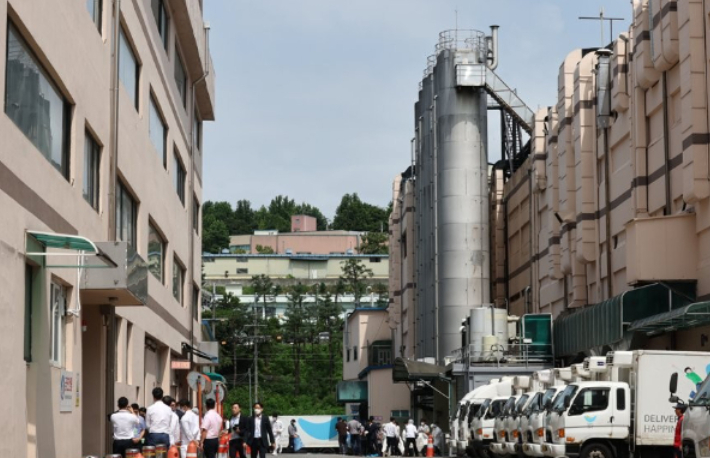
column 215, row 235
column 374, row 243
column 244, row 218
column 354, row 274
column 355, row 215
column 307, row 209
column 264, row 249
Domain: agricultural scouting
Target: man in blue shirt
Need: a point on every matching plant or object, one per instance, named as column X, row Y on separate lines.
column 140, row 430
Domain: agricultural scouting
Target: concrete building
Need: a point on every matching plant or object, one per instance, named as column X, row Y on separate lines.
column 602, row 219
column 235, row 271
column 101, row 166
column 368, row 364
column 298, row 242
column 303, row 223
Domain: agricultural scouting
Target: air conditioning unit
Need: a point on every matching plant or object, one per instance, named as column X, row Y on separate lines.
column 564, row 373
column 597, row 364
column 579, row 370
column 620, row 358
column 522, row 381
column 544, row 376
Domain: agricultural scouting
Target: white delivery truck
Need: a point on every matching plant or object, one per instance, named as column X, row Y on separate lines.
column 621, row 413
column 483, row 424
column 469, row 405
column 498, row 445
column 695, row 436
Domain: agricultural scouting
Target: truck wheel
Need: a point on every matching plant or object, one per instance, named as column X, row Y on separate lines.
column 596, row 451
column 688, row 451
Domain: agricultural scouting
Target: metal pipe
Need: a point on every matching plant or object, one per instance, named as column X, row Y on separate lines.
column 493, row 58
column 191, row 188
column 666, row 145
column 113, row 150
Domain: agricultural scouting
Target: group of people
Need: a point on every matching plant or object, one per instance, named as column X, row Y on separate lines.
column 169, row 422
column 390, row 439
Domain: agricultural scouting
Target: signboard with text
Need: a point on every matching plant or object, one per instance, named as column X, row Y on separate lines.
column 66, row 391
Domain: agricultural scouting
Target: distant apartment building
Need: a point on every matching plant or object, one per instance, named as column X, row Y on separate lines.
column 367, row 388
column 602, row 220
column 234, row 272
column 303, row 223
column 100, row 190
column 298, row 242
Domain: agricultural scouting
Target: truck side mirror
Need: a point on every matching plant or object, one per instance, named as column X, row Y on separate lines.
column 568, row 400
column 548, row 404
column 673, row 385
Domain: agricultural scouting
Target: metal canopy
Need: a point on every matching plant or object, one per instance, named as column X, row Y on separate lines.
column 406, row 370
column 84, row 246
column 215, row 377
column 690, row 316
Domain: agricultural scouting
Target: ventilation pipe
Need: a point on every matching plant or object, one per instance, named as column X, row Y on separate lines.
column 492, row 42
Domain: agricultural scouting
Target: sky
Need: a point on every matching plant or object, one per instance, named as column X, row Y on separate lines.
column 315, row 98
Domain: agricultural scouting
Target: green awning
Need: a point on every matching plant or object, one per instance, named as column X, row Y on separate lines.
column 351, row 391
column 605, row 323
column 690, row 316
column 215, row 377
column 67, row 242
column 407, row 370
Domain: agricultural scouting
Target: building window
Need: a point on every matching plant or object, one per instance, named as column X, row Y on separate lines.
column 95, row 7
column 196, row 301
column 156, row 253
column 355, row 353
column 197, row 132
column 178, row 280
column 348, row 355
column 158, row 130
column 242, row 270
column 34, row 103
column 92, row 165
column 180, row 77
column 126, row 215
column 161, row 20
column 196, row 215
column 57, row 309
column 128, row 68
column 179, row 176
column 29, row 274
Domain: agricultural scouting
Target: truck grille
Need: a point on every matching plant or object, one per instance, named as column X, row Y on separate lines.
column 548, row 437
column 610, row 358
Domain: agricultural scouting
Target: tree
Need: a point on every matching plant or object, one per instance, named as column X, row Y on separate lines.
column 215, row 235
column 244, row 218
column 222, row 211
column 354, row 274
column 374, row 243
column 382, row 291
column 355, row 215
column 296, row 321
column 261, row 249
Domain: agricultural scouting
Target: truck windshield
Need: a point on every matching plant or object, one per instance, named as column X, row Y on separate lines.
column 473, row 412
column 520, row 404
column 483, row 409
column 549, row 394
column 559, row 404
column 508, row 408
column 702, row 397
column 495, row 409
column 533, row 405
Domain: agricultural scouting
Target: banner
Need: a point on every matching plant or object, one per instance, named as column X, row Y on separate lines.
column 66, row 392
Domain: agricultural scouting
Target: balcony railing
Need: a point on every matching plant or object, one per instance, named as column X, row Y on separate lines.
column 518, row 354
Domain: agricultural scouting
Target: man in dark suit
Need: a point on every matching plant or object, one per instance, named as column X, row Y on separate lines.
column 260, row 437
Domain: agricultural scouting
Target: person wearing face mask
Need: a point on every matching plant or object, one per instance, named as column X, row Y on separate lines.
column 260, row 436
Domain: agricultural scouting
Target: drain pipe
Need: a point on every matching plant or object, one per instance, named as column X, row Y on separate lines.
column 666, row 145
column 193, row 140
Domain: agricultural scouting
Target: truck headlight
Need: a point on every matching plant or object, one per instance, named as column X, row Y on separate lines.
column 515, row 434
column 540, row 432
column 479, row 431
column 561, row 433
column 501, row 433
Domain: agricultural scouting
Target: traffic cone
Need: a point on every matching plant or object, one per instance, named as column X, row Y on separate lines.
column 430, row 447
column 173, row 452
column 223, row 450
column 192, row 450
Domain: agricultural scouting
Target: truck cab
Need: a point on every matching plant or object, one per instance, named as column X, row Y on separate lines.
column 525, row 417
column 588, row 411
column 483, row 424
column 498, row 446
column 534, row 436
column 512, row 424
column 695, row 436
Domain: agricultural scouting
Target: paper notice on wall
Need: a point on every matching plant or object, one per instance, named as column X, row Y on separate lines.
column 76, row 384
column 66, row 392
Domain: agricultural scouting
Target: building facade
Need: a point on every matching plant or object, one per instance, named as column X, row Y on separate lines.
column 297, row 242
column 101, row 166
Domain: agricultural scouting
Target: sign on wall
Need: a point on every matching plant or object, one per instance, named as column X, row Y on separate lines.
column 66, row 391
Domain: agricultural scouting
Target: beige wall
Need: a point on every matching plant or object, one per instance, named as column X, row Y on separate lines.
column 385, row 396
column 633, row 198
column 363, row 328
column 322, row 242
column 34, row 196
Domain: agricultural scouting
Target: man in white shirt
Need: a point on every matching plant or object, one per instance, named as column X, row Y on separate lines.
column 410, row 432
column 174, row 422
column 278, row 429
column 157, row 420
column 189, row 427
column 391, row 437
column 124, row 423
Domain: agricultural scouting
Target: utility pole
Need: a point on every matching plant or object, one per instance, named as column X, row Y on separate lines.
column 601, row 18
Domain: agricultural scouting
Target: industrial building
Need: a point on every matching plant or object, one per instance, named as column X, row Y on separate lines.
column 597, row 213
column 100, row 190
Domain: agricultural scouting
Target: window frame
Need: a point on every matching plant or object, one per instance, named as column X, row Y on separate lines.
column 576, row 408
column 152, row 229
column 92, row 171
column 124, row 37
column 154, row 106
column 179, row 268
column 65, row 167
column 180, row 176
column 196, row 131
column 131, row 232
column 195, row 214
column 98, row 12
column 57, row 322
column 180, row 65
column 162, row 20
column 29, row 296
